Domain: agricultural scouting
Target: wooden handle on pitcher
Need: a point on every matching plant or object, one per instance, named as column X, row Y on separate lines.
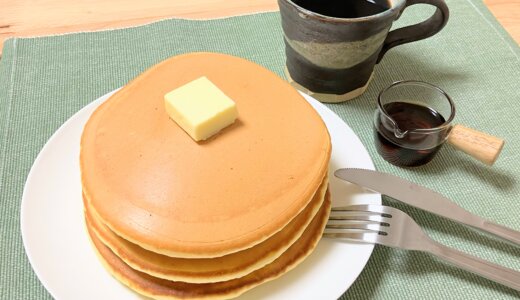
column 480, row 145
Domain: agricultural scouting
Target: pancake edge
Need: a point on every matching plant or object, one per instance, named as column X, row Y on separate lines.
column 235, row 292
column 210, row 276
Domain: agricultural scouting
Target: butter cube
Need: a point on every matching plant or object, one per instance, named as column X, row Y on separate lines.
column 200, row 108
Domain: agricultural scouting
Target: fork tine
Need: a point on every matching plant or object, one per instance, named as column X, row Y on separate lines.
column 354, row 236
column 353, row 225
column 338, row 215
column 368, row 208
column 349, row 208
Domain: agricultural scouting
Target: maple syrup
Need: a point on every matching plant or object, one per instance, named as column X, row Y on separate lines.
column 408, row 146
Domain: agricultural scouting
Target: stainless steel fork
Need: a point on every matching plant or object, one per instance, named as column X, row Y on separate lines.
column 391, row 227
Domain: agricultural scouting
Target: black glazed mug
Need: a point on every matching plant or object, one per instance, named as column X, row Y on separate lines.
column 333, row 58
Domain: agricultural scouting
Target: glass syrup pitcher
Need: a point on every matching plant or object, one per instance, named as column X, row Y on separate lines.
column 414, row 119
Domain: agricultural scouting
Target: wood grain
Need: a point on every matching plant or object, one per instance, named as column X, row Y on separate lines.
column 23, row 18
column 480, row 145
column 508, row 14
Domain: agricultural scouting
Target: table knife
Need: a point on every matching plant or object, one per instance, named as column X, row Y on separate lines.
column 423, row 198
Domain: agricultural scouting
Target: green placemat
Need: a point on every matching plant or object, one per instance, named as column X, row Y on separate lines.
column 43, row 81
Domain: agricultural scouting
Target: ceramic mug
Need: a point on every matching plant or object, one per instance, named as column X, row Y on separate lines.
column 333, row 58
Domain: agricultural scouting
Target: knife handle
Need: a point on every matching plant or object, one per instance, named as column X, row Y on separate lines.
column 480, row 145
column 502, row 231
column 500, row 274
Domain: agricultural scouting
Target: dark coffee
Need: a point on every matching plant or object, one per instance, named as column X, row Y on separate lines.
column 409, row 116
column 345, row 8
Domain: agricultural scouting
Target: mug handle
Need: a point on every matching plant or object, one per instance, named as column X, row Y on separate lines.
column 418, row 31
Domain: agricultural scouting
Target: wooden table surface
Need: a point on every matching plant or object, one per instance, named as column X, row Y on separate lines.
column 46, row 17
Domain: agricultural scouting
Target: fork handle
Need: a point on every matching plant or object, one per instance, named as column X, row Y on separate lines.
column 494, row 272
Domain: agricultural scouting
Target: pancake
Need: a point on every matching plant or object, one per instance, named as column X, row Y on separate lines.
column 206, row 270
column 154, row 186
column 163, row 289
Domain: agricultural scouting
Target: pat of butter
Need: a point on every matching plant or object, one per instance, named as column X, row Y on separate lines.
column 200, row 108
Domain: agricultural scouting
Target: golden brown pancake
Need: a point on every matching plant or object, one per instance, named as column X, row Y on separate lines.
column 154, row 186
column 205, row 270
column 163, row 289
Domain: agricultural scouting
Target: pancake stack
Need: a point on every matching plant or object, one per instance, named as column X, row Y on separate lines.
column 175, row 219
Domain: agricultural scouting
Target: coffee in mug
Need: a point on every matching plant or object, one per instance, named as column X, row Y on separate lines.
column 345, row 8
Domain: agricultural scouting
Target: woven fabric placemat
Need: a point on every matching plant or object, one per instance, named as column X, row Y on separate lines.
column 44, row 81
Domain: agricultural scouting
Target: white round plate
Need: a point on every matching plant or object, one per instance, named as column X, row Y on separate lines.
column 59, row 250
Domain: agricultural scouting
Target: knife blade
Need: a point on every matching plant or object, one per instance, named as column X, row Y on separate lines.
column 424, row 198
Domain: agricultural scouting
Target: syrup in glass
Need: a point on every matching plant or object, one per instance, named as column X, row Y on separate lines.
column 412, row 149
